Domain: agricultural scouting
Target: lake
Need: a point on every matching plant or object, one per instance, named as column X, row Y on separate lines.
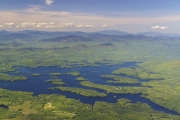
column 37, row 84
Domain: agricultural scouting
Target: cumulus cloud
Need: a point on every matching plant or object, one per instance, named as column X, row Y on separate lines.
column 26, row 24
column 106, row 25
column 69, row 24
column 84, row 25
column 38, row 26
column 9, row 24
column 49, row 2
column 162, row 27
column 46, row 25
column 159, row 27
column 51, row 23
column 89, row 25
column 57, row 19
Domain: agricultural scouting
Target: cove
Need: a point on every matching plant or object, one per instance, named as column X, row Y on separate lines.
column 3, row 106
column 37, row 84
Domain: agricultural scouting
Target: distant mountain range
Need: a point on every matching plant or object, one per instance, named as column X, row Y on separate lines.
column 59, row 36
column 112, row 32
column 70, row 38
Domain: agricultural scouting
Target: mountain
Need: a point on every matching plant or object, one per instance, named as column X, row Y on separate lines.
column 70, row 38
column 114, row 35
column 158, row 34
column 112, row 32
column 15, row 36
column 4, row 32
column 46, row 34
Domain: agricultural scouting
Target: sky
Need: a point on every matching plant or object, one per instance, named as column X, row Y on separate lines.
column 91, row 15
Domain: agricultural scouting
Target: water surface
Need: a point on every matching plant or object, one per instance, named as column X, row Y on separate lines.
column 37, row 84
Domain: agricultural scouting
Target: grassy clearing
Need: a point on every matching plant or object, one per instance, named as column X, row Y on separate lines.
column 25, row 108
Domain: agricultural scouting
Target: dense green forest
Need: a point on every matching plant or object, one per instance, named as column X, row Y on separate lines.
column 158, row 62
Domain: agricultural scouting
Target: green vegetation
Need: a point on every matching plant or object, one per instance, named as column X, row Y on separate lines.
column 157, row 61
column 115, row 89
column 169, row 87
column 139, row 72
column 55, row 74
column 57, row 107
column 7, row 114
column 36, row 74
column 24, row 108
column 81, row 91
column 56, row 81
column 8, row 97
column 7, row 77
column 74, row 73
column 80, row 79
column 119, row 79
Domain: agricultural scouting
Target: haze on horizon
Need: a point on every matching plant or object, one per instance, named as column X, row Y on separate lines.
column 90, row 15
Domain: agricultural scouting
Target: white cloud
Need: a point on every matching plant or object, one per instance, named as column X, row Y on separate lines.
column 1, row 26
column 159, row 27
column 48, row 26
column 89, row 25
column 49, row 2
column 17, row 26
column 36, row 17
column 81, row 25
column 162, row 27
column 106, row 25
column 155, row 27
column 42, row 24
column 51, row 23
column 26, row 24
column 9, row 24
column 69, row 24
column 63, row 25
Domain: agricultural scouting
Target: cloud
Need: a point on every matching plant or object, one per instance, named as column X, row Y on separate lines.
column 81, row 25
column 1, row 26
column 51, row 25
column 106, row 25
column 9, row 24
column 155, row 27
column 34, row 24
column 69, row 24
column 37, row 14
column 162, row 27
column 49, row 2
column 37, row 18
column 89, row 25
column 26, row 24
column 46, row 25
column 159, row 27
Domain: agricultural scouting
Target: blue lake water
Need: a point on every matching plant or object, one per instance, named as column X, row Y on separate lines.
column 37, row 84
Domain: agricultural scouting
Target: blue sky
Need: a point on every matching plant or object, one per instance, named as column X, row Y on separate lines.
column 91, row 15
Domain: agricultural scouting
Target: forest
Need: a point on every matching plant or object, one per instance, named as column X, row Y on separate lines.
column 156, row 72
